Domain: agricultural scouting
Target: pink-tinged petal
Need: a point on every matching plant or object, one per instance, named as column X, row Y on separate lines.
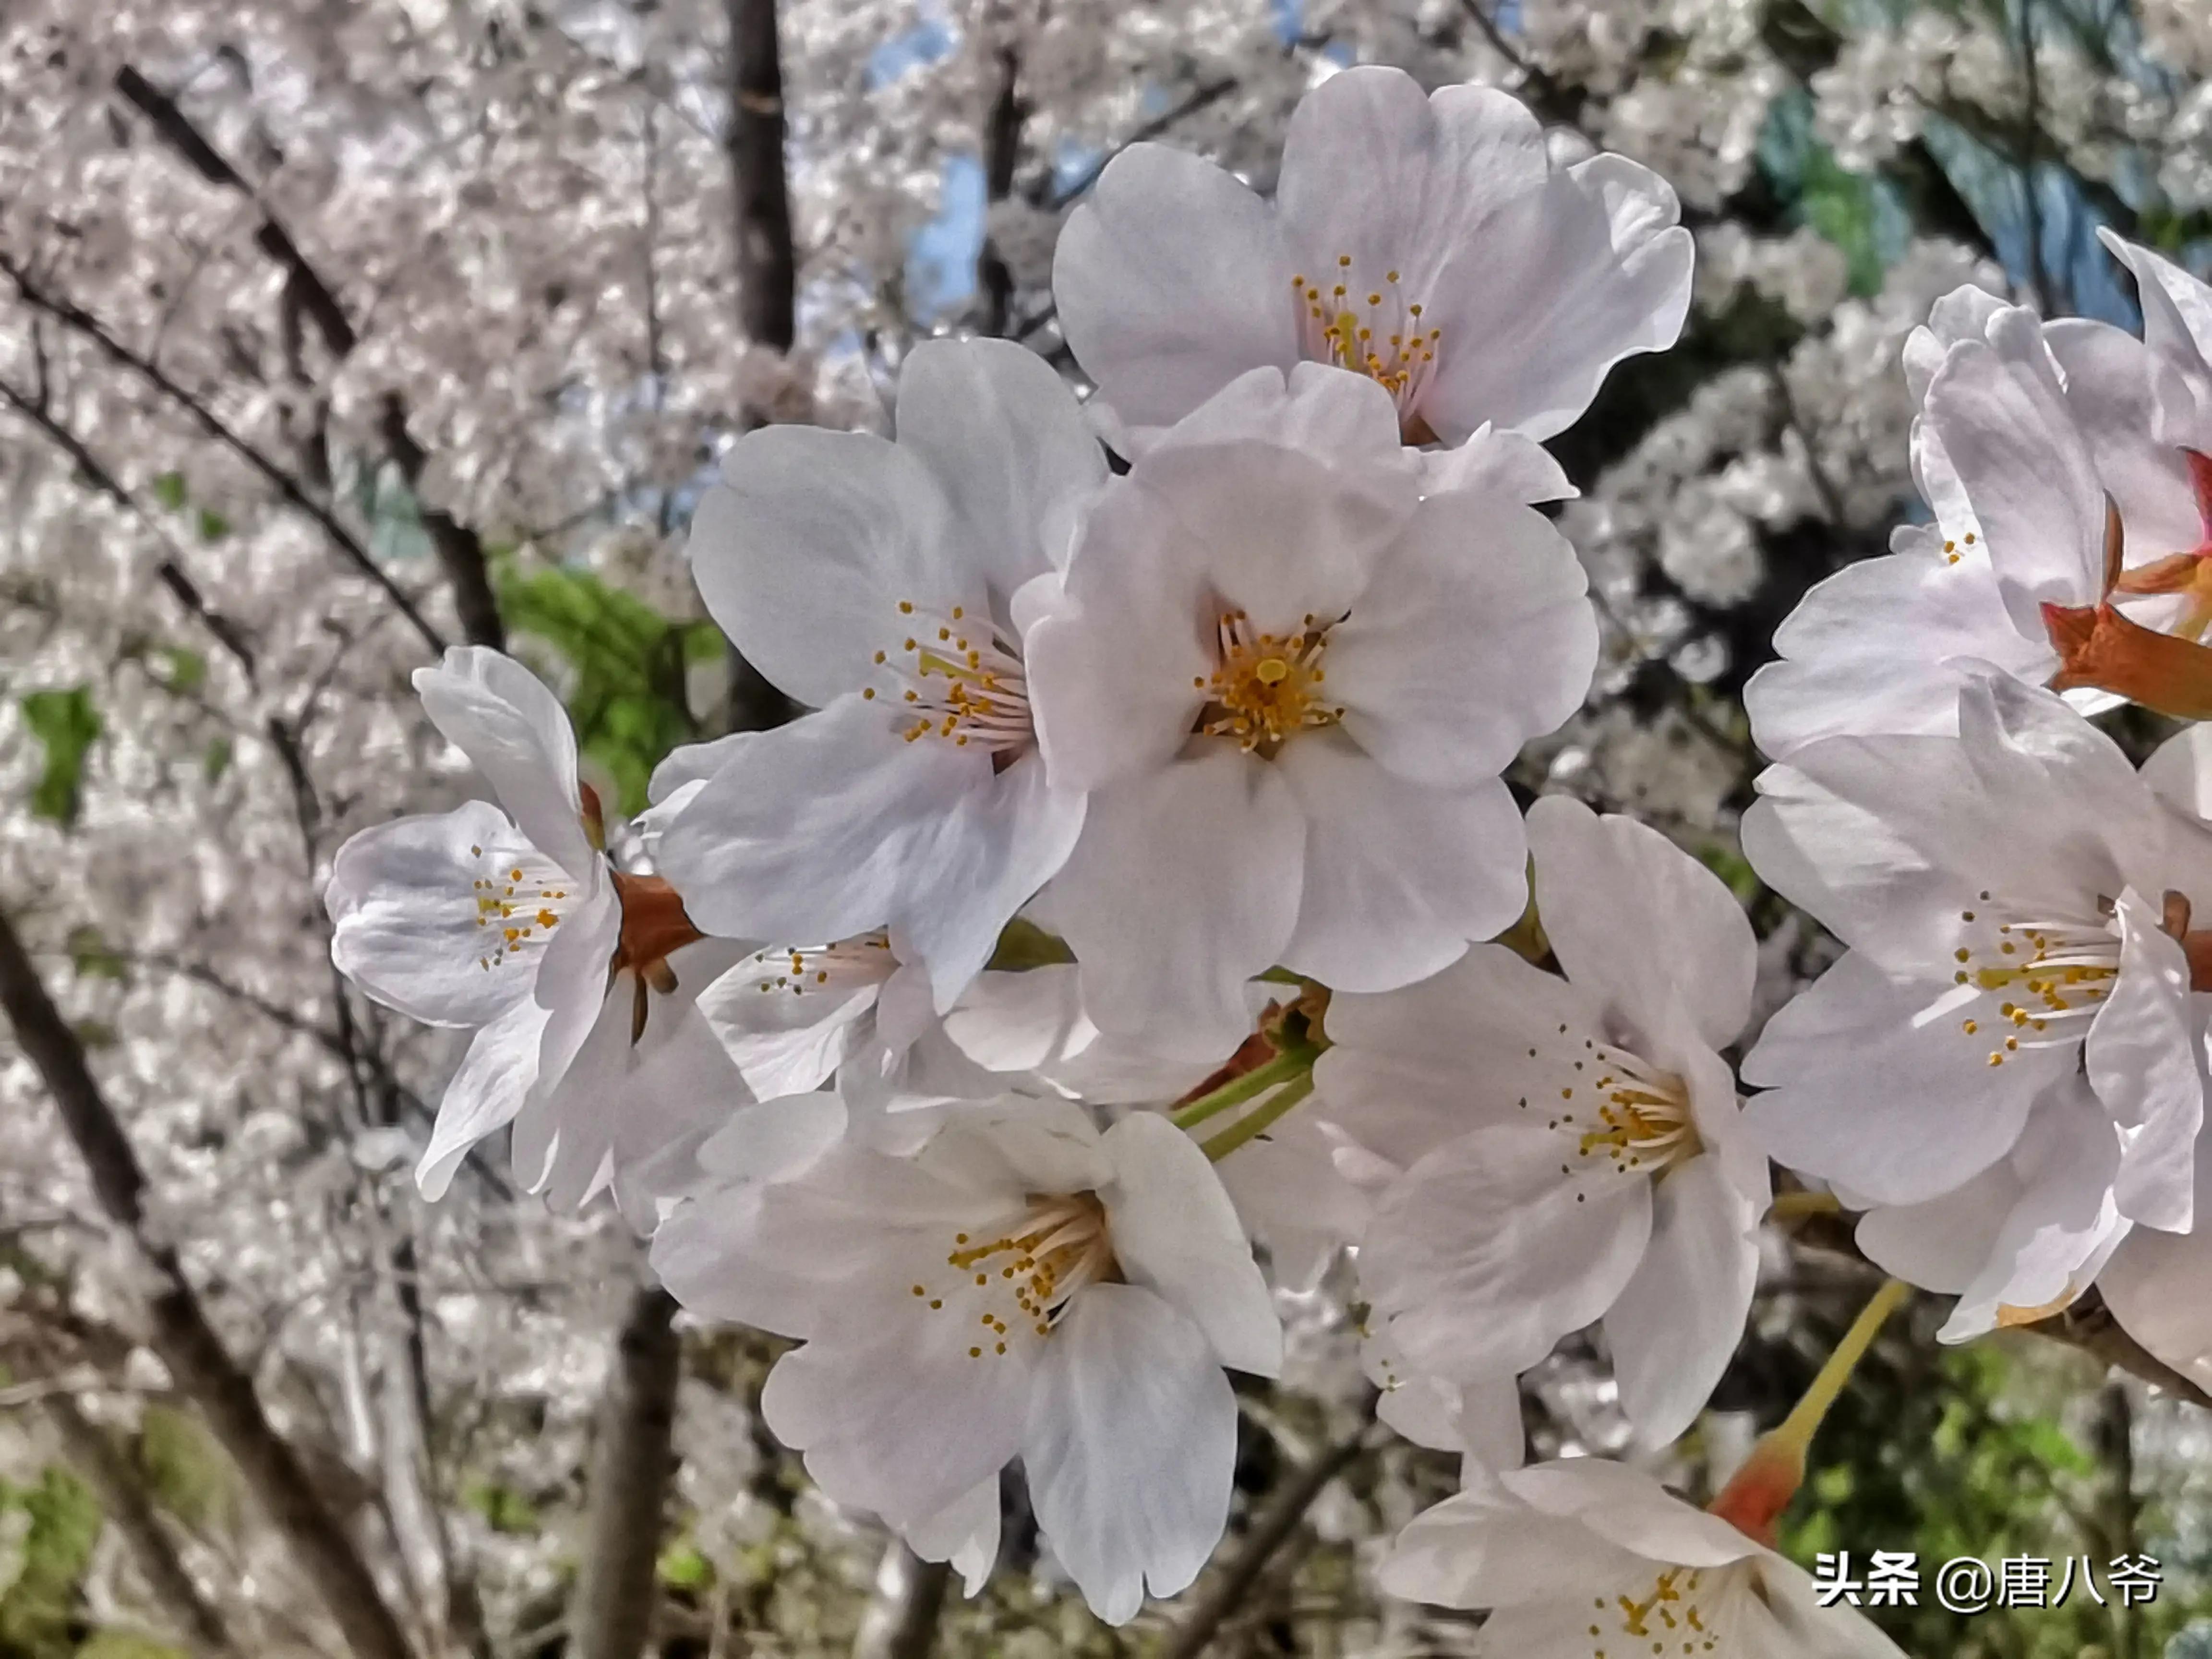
column 1637, row 921
column 1170, row 282
column 1870, row 650
column 2155, row 1286
column 806, row 548
column 2118, row 389
column 1176, row 1233
column 1129, row 1449
column 1676, row 1324
column 410, row 921
column 837, row 824
column 495, row 1078
column 514, row 731
column 1868, row 1088
column 1473, row 636
column 1415, row 1067
column 1497, row 1244
column 1009, row 446
column 1398, row 876
column 1182, row 887
column 2004, row 424
column 2145, row 1059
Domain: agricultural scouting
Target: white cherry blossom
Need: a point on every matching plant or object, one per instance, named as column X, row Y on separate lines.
column 877, row 582
column 1595, row 1164
column 578, row 979
column 2017, row 903
column 1023, row 1286
column 1288, row 683
column 1582, row 1559
column 1428, row 242
column 2001, row 460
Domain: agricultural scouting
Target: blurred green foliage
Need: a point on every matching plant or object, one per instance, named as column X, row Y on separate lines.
column 66, row 725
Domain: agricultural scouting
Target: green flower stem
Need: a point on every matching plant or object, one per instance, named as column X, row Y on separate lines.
column 1261, row 1119
column 1238, row 1090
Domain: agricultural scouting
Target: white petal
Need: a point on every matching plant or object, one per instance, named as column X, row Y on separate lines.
column 1399, row 875
column 1497, row 462
column 2145, row 1059
column 1676, row 1324
column 1867, row 651
column 514, row 731
column 572, row 980
column 1130, row 1447
column 1864, row 1090
column 2003, row 422
column 407, row 923
column 966, row 1535
column 1499, row 1243
column 1415, row 1067
column 496, row 1076
column 1638, row 921
column 835, row 824
column 2155, row 1286
column 804, row 550
column 1009, row 446
column 1182, row 889
column 1473, row 636
column 903, row 1420
column 1170, row 283
column 1487, row 1548
column 2112, row 385
column 784, row 1034
column 1176, row 1232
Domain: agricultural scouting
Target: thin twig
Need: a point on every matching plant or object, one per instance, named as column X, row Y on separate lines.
column 1268, row 1533
column 87, row 326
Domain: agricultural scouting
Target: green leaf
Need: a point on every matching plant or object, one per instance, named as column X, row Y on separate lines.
column 213, row 526
column 628, row 702
column 67, row 725
column 682, row 1567
column 503, row 1508
column 169, row 491
column 186, row 1471
column 63, row 1524
column 187, row 670
column 94, row 956
column 214, row 761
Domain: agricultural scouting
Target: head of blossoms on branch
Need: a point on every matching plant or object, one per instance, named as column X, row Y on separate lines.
column 1587, row 1156
column 2022, row 522
column 1023, row 1286
column 2017, row 904
column 883, row 584
column 1289, row 682
column 1584, row 1559
column 578, row 978
column 1427, row 241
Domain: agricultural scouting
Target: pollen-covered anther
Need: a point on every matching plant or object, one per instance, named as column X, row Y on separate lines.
column 1267, row 686
column 1372, row 329
column 1644, row 1125
column 2043, row 970
column 812, row 969
column 960, row 676
column 513, row 911
column 1027, row 1271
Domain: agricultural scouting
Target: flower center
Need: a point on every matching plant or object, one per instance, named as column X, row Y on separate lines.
column 1371, row 330
column 516, row 904
column 960, row 676
column 1012, row 1284
column 864, row 959
column 1266, row 686
column 1612, row 1104
column 2017, row 978
column 1674, row 1608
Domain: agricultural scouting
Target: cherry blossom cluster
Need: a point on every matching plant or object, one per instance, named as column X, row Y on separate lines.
column 1137, row 916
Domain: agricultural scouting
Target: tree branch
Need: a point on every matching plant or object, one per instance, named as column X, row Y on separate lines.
column 1002, row 152
column 89, row 327
column 767, row 264
column 901, row 1622
column 124, row 1501
column 460, row 551
column 1270, row 1530
column 35, row 408
column 179, row 1329
column 631, row 1464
